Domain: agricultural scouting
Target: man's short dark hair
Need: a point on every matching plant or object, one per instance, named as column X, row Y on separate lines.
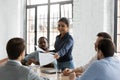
column 15, row 47
column 107, row 47
column 104, row 35
column 42, row 38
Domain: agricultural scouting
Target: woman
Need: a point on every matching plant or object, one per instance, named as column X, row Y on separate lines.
column 64, row 45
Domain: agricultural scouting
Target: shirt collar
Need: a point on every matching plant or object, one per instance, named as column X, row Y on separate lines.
column 15, row 61
column 65, row 35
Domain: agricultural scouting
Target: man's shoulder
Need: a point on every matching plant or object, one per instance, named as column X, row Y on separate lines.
column 15, row 68
column 22, row 69
column 98, row 63
column 35, row 52
column 106, row 61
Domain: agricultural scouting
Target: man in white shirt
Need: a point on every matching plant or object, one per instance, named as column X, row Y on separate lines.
column 34, row 56
column 81, row 69
column 13, row 69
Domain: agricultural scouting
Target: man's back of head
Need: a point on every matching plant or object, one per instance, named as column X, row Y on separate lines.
column 15, row 47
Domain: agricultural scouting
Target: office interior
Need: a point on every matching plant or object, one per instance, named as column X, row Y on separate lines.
column 88, row 18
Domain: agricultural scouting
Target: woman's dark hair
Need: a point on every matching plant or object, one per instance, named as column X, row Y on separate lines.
column 65, row 20
column 104, row 35
column 15, row 47
column 107, row 47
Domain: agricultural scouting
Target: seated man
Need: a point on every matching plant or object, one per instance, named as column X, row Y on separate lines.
column 34, row 56
column 81, row 69
column 106, row 68
column 13, row 69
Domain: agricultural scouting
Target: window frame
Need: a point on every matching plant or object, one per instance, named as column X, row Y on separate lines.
column 48, row 20
column 116, row 24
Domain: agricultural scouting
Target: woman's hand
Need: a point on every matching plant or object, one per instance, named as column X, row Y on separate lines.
column 56, row 56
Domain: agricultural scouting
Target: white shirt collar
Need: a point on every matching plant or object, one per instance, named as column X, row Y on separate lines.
column 15, row 61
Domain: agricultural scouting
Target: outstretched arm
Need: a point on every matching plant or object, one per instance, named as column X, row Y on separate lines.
column 3, row 60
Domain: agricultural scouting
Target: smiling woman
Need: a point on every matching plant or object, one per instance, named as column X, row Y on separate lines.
column 64, row 45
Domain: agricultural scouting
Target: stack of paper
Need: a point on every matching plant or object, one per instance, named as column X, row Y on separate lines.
column 45, row 58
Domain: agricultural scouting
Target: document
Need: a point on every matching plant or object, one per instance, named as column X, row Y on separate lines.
column 45, row 58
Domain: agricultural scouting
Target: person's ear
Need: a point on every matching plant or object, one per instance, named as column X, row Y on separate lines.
column 101, row 55
column 22, row 54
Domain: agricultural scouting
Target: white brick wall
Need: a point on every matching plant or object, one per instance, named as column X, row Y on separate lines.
column 11, row 24
column 88, row 20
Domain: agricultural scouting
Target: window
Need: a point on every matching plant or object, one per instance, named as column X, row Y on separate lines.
column 117, row 25
column 42, row 17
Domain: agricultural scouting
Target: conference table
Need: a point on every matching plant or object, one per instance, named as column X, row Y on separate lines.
column 52, row 76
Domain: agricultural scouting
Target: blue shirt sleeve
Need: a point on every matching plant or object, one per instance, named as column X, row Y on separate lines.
column 104, row 69
column 91, row 73
column 66, row 47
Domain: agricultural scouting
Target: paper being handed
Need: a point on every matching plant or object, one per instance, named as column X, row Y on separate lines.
column 45, row 58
